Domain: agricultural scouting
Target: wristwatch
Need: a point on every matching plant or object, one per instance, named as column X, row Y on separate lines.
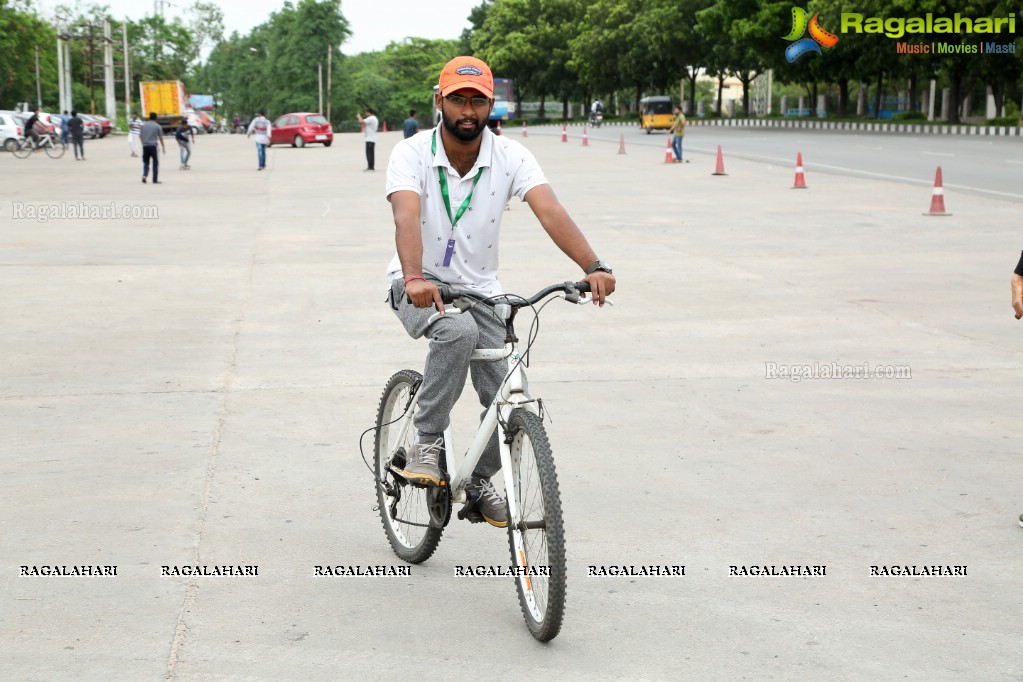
column 598, row 264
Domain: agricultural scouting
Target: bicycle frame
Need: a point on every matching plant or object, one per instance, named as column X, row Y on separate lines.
column 511, row 396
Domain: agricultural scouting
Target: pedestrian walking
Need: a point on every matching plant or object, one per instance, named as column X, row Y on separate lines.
column 65, row 134
column 134, row 129
column 149, row 136
column 76, row 127
column 411, row 125
column 677, row 131
column 185, row 136
column 370, row 124
column 260, row 127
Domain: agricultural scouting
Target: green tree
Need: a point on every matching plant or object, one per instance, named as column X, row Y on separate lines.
column 21, row 32
column 529, row 41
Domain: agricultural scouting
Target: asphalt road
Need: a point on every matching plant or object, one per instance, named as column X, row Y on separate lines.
column 189, row 388
column 990, row 166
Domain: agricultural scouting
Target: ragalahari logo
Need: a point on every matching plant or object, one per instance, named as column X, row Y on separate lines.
column 818, row 36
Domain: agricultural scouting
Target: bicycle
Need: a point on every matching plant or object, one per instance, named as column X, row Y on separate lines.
column 25, row 146
column 414, row 517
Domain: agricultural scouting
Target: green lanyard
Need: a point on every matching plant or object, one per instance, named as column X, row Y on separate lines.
column 442, row 174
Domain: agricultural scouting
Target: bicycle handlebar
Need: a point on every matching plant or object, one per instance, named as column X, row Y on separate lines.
column 449, row 293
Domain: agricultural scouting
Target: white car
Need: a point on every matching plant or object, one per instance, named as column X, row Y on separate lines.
column 195, row 122
column 91, row 127
column 52, row 123
column 10, row 129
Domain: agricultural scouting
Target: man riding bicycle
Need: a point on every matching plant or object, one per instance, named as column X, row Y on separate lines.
column 30, row 128
column 448, row 192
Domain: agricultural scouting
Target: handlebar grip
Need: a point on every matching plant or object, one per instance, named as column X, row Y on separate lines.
column 447, row 293
column 583, row 287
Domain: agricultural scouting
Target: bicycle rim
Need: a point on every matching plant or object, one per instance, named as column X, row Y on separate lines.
column 537, row 541
column 22, row 150
column 54, row 151
column 404, row 508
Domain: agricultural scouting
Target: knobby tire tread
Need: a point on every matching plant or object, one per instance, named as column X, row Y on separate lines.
column 550, row 626
column 425, row 549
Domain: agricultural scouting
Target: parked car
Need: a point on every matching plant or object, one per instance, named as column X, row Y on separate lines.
column 91, row 127
column 300, row 129
column 52, row 124
column 208, row 122
column 48, row 126
column 195, row 122
column 106, row 125
column 10, row 130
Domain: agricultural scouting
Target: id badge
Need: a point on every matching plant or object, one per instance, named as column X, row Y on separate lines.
column 449, row 252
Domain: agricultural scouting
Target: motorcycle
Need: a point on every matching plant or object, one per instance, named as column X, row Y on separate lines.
column 596, row 118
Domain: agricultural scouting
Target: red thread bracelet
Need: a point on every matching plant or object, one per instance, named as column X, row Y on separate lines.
column 413, row 277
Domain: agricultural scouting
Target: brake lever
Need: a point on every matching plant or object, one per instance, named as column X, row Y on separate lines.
column 456, row 307
column 588, row 298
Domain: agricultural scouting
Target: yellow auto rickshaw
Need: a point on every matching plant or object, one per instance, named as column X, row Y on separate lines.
column 655, row 113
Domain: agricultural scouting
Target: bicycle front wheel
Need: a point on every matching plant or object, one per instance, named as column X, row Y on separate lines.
column 537, row 541
column 54, row 151
column 404, row 508
column 22, row 149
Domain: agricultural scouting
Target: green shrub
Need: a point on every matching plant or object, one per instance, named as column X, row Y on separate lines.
column 1011, row 121
column 910, row 116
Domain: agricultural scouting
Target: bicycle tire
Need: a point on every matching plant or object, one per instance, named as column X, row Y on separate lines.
column 538, row 540
column 408, row 527
column 54, row 151
column 23, row 149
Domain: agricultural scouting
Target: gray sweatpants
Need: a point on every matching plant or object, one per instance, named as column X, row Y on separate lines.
column 452, row 340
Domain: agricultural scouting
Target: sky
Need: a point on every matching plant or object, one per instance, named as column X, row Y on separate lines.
column 374, row 23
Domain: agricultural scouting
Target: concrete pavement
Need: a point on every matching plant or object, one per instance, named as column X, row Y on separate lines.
column 190, row 389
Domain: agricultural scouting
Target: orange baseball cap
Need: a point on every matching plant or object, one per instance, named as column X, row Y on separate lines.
column 466, row 72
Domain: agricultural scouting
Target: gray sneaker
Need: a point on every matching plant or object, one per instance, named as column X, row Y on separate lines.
column 423, row 465
column 491, row 505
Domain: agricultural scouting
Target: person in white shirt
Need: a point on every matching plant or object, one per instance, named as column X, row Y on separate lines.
column 260, row 127
column 370, row 124
column 134, row 130
column 456, row 242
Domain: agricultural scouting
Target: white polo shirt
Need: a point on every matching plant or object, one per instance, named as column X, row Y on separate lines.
column 509, row 169
column 371, row 124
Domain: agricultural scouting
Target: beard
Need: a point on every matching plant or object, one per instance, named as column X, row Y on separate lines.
column 463, row 134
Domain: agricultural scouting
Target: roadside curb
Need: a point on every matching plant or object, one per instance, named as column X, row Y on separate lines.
column 856, row 126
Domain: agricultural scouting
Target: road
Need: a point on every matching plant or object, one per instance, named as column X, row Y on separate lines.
column 990, row 166
column 187, row 386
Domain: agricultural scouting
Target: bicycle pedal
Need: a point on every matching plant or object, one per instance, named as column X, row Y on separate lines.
column 471, row 514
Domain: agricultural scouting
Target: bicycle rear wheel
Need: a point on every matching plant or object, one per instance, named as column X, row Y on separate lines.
column 404, row 508
column 22, row 149
column 54, row 151
column 537, row 541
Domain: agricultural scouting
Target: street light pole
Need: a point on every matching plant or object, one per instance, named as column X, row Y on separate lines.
column 62, row 105
column 39, row 83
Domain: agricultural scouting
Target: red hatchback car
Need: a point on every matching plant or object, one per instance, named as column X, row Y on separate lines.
column 298, row 130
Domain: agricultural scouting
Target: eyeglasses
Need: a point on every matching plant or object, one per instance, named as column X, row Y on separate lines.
column 476, row 102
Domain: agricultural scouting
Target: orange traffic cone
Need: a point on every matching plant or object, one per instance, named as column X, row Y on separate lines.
column 621, row 144
column 586, row 141
column 498, row 126
column 385, row 126
column 668, row 154
column 938, row 196
column 524, row 133
column 720, row 170
column 564, row 133
column 800, row 180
